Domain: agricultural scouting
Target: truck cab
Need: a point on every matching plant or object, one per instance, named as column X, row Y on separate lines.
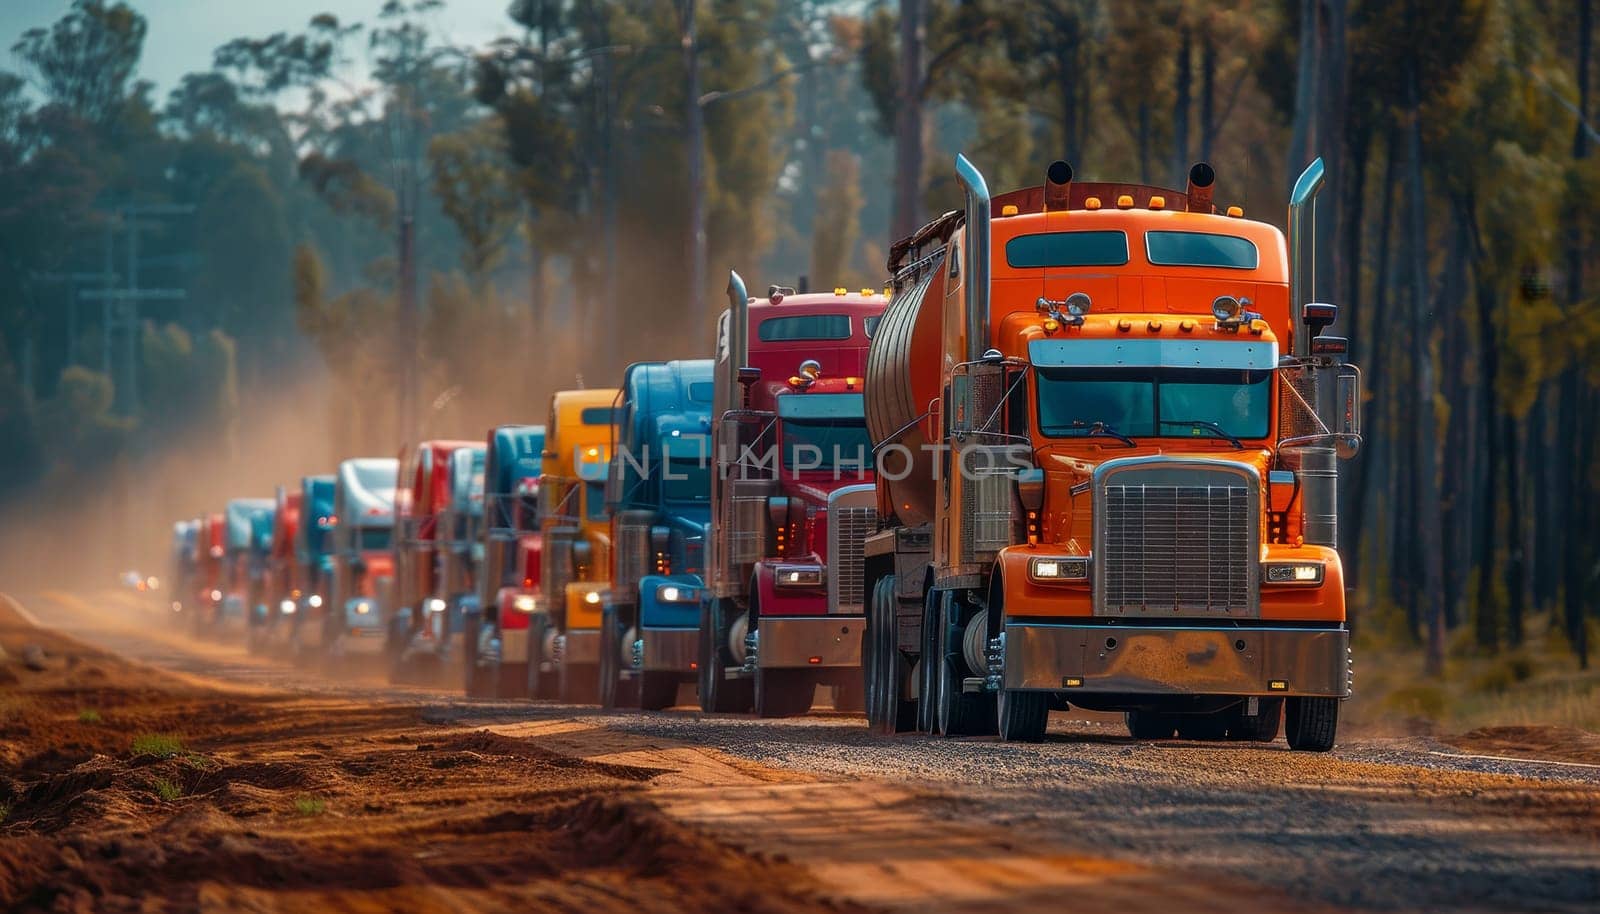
column 183, row 565
column 282, row 597
column 249, row 548
column 508, row 580
column 1122, row 496
column 792, row 498
column 415, row 646
column 575, row 546
column 210, row 552
column 313, row 558
column 362, row 544
column 659, row 490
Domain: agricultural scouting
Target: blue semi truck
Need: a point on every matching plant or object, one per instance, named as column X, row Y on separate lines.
column 313, row 556
column 658, row 490
column 496, row 637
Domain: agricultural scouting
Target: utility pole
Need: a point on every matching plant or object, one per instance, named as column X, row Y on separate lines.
column 407, row 324
column 694, row 127
column 120, row 307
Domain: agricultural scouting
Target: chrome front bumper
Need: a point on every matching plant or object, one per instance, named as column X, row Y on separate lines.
column 581, row 647
column 671, row 650
column 514, row 645
column 1156, row 660
column 810, row 641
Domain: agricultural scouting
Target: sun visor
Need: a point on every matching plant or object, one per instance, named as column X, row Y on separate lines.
column 1153, row 353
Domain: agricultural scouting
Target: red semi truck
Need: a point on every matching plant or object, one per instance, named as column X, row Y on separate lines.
column 791, row 502
column 421, row 496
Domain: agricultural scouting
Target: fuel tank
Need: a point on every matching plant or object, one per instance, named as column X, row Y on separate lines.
column 904, row 368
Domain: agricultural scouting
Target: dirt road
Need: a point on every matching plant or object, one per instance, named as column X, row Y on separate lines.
column 292, row 792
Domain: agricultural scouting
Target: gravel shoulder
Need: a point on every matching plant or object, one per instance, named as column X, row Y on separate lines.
column 1379, row 824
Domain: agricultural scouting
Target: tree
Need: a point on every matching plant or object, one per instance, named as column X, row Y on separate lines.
column 83, row 62
column 839, row 210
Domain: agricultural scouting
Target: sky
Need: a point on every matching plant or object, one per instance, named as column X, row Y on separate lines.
column 183, row 34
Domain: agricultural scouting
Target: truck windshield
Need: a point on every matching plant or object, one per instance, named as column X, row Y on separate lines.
column 825, row 432
column 372, row 539
column 687, row 479
column 1154, row 402
column 594, row 500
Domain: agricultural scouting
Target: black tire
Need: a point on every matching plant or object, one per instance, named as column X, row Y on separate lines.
column 1205, row 727
column 959, row 713
column 480, row 680
column 615, row 692
column 658, row 691
column 1150, row 725
column 784, row 693
column 718, row 694
column 928, row 669
column 1261, row 727
column 884, row 669
column 1021, row 717
column 1311, row 724
column 539, row 683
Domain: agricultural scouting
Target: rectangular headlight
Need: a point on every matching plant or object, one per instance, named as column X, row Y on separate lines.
column 524, row 603
column 797, row 576
column 1303, row 574
column 1048, row 569
column 677, row 593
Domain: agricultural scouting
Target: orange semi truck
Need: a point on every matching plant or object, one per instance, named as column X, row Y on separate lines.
column 1107, row 461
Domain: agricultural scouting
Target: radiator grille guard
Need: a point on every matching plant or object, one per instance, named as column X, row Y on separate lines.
column 631, row 554
column 852, row 516
column 1176, row 538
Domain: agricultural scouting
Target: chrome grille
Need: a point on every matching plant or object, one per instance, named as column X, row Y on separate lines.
column 632, row 558
column 852, row 516
column 986, row 504
column 556, row 572
column 1187, row 547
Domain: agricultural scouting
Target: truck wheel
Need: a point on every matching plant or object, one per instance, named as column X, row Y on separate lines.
column 1311, row 724
column 784, row 693
column 928, row 677
column 615, row 692
column 538, row 684
column 658, row 691
column 718, row 694
column 960, row 713
column 884, row 669
column 1149, row 725
column 1022, row 716
column 481, row 679
column 1261, row 727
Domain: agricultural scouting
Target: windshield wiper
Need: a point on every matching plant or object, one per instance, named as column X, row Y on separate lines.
column 1102, row 428
column 1211, row 427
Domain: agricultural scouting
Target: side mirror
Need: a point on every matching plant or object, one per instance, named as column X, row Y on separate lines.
column 1348, row 396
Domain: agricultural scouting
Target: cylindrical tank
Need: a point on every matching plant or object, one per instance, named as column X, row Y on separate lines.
column 904, row 367
column 1319, row 488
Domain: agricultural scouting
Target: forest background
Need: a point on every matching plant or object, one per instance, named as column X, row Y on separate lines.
column 220, row 285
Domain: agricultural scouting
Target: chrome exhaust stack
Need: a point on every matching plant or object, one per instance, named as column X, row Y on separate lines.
column 1202, row 181
column 1303, row 245
column 1057, row 186
column 975, row 252
column 738, row 335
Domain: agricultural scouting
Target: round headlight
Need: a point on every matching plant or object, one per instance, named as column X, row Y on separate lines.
column 286, row 607
column 435, row 605
column 1078, row 304
column 1225, row 308
column 524, row 604
column 669, row 593
column 314, row 601
column 591, row 597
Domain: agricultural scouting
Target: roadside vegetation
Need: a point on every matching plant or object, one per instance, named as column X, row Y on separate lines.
column 157, row 745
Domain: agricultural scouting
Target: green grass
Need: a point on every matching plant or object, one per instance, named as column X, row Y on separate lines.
column 308, row 805
column 198, row 761
column 88, row 716
column 166, row 789
column 5, row 811
column 159, row 745
column 1536, row 684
